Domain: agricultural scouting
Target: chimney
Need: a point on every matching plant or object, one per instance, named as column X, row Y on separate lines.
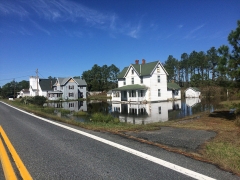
column 143, row 61
column 136, row 61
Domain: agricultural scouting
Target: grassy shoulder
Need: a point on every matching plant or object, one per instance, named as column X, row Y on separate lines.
column 223, row 150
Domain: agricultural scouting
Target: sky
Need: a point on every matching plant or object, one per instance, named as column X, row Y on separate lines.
column 64, row 38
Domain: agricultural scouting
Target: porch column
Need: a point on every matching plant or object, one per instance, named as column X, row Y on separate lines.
column 137, row 96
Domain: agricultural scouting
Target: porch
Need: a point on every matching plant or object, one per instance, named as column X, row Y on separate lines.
column 129, row 93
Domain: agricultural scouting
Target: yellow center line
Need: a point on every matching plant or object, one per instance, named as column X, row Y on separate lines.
column 21, row 167
column 6, row 164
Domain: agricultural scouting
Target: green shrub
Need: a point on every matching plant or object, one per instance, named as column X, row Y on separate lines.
column 64, row 111
column 48, row 110
column 80, row 113
column 100, row 117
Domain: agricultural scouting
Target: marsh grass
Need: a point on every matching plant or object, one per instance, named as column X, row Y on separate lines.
column 80, row 113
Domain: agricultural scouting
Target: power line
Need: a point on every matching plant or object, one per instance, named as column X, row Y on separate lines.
column 14, row 78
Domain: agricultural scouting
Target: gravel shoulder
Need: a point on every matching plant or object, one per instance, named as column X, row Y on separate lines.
column 185, row 139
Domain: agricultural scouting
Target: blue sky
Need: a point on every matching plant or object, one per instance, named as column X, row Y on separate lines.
column 63, row 38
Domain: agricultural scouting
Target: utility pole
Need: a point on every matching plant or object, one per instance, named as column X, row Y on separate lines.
column 37, row 81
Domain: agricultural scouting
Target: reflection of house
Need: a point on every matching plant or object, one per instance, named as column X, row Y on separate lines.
column 68, row 88
column 145, row 82
column 192, row 101
column 40, row 86
column 70, row 105
column 23, row 93
column 145, row 113
column 192, row 92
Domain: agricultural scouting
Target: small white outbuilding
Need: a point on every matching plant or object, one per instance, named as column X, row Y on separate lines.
column 192, row 92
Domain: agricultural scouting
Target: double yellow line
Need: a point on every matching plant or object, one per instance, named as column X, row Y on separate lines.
column 6, row 164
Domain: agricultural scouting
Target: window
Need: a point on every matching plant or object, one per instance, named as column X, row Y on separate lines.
column 55, row 88
column 124, row 82
column 159, row 92
column 71, row 94
column 71, row 105
column 132, row 80
column 59, row 95
column 159, row 110
column 159, row 79
column 132, row 71
column 71, row 87
column 141, row 93
column 81, row 87
column 141, row 80
column 158, row 70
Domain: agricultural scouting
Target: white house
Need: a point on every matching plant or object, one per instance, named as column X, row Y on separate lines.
column 23, row 93
column 146, row 82
column 68, row 89
column 192, row 92
column 40, row 87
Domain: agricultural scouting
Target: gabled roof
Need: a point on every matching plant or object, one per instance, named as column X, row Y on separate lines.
column 193, row 88
column 63, row 81
column 46, row 84
column 142, row 69
column 130, row 87
column 173, row 86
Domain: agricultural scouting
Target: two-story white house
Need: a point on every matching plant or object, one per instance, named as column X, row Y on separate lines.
column 68, row 89
column 145, row 82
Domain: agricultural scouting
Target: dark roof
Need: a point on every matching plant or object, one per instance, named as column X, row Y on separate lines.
column 173, row 86
column 46, row 84
column 130, row 87
column 142, row 69
column 63, row 81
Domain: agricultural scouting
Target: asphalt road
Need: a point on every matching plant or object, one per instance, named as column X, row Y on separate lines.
column 53, row 152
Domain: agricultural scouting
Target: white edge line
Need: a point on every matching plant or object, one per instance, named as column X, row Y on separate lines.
column 161, row 162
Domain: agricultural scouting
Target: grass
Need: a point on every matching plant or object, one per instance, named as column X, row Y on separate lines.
column 223, row 150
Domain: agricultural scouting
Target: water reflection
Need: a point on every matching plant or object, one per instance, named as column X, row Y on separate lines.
column 145, row 113
column 139, row 113
column 70, row 105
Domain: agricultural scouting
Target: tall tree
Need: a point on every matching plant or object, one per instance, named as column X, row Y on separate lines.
column 171, row 65
column 213, row 60
column 234, row 61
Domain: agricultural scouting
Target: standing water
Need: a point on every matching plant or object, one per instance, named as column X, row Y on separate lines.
column 138, row 113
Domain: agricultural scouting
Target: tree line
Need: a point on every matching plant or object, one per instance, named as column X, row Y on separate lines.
column 219, row 67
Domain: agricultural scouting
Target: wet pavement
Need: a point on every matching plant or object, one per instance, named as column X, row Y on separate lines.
column 187, row 139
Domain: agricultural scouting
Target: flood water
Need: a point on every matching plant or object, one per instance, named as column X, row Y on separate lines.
column 139, row 113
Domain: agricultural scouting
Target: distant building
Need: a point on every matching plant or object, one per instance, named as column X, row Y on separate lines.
column 23, row 93
column 145, row 82
column 40, row 87
column 68, row 88
column 192, row 92
column 60, row 88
